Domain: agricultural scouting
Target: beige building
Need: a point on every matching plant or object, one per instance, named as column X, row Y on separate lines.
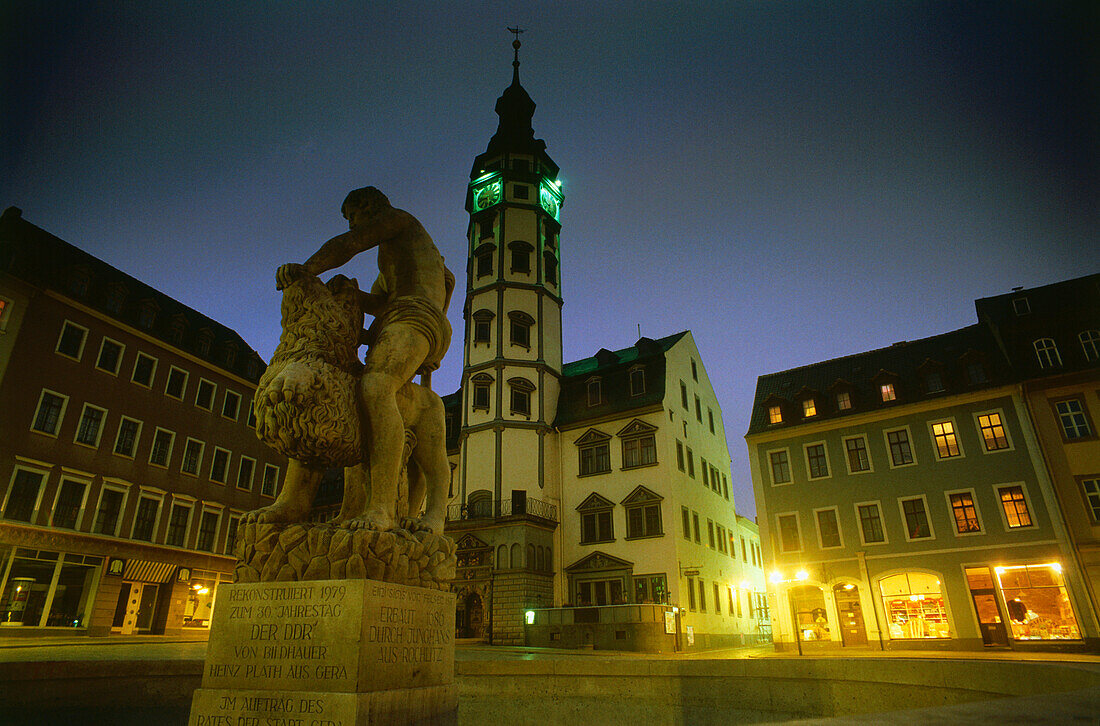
column 128, row 454
column 590, row 500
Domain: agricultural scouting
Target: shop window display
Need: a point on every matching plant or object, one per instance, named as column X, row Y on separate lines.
column 1037, row 602
column 46, row 589
column 200, row 600
column 808, row 604
column 914, row 606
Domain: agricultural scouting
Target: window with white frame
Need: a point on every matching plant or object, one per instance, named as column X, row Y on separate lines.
column 594, row 391
column 637, row 381
column 790, row 540
column 204, row 394
column 643, row 514
column 192, row 456
column 145, row 367
column 108, row 515
column 146, row 516
column 179, row 522
column 992, row 430
column 177, row 383
column 1014, row 505
column 69, row 503
column 915, row 512
column 270, row 485
column 110, row 356
column 245, row 472
column 780, row 466
column 1090, row 344
column 24, row 495
column 870, row 523
column 126, row 439
column 1090, row 488
column 809, row 408
column 208, row 530
column 828, row 528
column 964, row 512
column 596, row 522
column 594, row 451
column 1072, row 419
column 856, row 450
column 639, row 444
column 901, row 452
column 161, row 451
column 90, row 427
column 50, row 412
column 219, row 465
column 1046, row 351
column 231, row 405
column 945, row 440
column 817, row 461
column 70, row 343
column 843, row 401
column 231, row 532
column 886, row 390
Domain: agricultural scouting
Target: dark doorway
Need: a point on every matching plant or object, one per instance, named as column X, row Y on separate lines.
column 469, row 618
column 985, row 605
column 853, row 630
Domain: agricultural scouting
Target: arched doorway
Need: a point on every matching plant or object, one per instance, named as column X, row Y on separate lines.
column 853, row 629
column 470, row 616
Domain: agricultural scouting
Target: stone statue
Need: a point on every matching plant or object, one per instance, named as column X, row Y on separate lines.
column 410, row 335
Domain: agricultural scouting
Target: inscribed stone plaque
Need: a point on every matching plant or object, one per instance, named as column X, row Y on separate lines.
column 331, row 636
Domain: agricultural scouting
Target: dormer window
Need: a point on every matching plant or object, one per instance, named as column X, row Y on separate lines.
column 886, row 390
column 844, row 401
column 637, row 381
column 116, row 295
column 775, row 414
column 203, row 344
column 79, row 281
column 975, row 372
column 230, row 355
column 147, row 315
column 595, row 392
column 933, row 382
column 175, row 333
column 1021, row 306
column 809, row 408
column 1047, row 352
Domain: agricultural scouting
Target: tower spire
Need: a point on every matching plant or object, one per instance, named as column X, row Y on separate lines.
column 515, row 46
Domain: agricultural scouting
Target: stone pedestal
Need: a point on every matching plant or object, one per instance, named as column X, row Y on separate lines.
column 328, row 653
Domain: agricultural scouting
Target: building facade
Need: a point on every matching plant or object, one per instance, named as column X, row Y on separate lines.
column 581, row 491
column 128, row 455
column 904, row 502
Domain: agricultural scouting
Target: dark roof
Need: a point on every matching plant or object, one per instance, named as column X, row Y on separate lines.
column 613, row 368
column 904, row 364
column 515, row 133
column 1060, row 312
column 44, row 260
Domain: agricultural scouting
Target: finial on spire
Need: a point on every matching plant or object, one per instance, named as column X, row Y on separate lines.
column 515, row 45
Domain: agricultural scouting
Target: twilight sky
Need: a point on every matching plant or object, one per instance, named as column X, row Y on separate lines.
column 793, row 181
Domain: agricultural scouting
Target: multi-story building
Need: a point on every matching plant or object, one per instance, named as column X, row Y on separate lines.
column 583, row 487
column 128, row 454
column 903, row 500
column 1051, row 335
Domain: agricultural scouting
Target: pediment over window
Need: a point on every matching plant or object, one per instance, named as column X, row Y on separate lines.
column 593, row 502
column 592, row 436
column 521, row 317
column 485, row 248
column 636, row 428
column 642, row 495
column 481, row 378
column 470, row 542
column 884, row 376
column 805, row 392
column 599, row 561
column 521, row 383
column 839, row 385
column 483, row 314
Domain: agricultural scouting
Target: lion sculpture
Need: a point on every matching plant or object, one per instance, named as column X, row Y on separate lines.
column 306, row 408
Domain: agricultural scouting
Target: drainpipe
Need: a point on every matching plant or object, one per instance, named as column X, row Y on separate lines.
column 862, row 557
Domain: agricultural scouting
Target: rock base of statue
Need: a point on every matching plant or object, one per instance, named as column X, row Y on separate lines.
column 309, row 551
column 328, row 653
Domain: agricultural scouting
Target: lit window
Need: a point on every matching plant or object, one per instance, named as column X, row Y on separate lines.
column 1038, row 604
column 809, row 408
column 775, row 415
column 789, row 537
column 914, row 606
column 1090, row 344
column 993, row 431
column 870, row 523
column 1047, row 353
column 947, row 445
column 817, row 460
column 916, row 518
column 781, row 467
column 858, row 460
column 843, row 401
column 1015, row 507
column 965, row 513
column 887, row 391
column 1071, row 416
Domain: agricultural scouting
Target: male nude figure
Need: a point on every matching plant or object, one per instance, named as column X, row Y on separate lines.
column 411, row 332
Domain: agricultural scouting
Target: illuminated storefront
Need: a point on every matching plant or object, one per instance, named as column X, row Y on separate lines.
column 47, row 589
column 914, row 606
column 811, row 617
column 201, row 593
column 1037, row 602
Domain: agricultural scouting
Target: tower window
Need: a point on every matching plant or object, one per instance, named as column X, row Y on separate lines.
column 521, row 191
column 550, row 264
column 521, row 389
column 484, row 257
column 483, row 322
column 482, row 383
column 521, row 328
column 485, row 227
column 521, row 257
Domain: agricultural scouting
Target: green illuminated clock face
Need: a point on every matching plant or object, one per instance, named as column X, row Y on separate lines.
column 549, row 201
column 487, row 195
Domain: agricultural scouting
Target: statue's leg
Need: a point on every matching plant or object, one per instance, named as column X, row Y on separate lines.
column 396, row 355
column 356, row 493
column 417, row 491
column 296, row 498
column 431, row 459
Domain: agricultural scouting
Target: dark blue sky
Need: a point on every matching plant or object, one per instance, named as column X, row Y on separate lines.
column 792, row 181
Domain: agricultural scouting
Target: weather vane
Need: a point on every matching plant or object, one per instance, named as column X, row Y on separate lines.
column 515, row 43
